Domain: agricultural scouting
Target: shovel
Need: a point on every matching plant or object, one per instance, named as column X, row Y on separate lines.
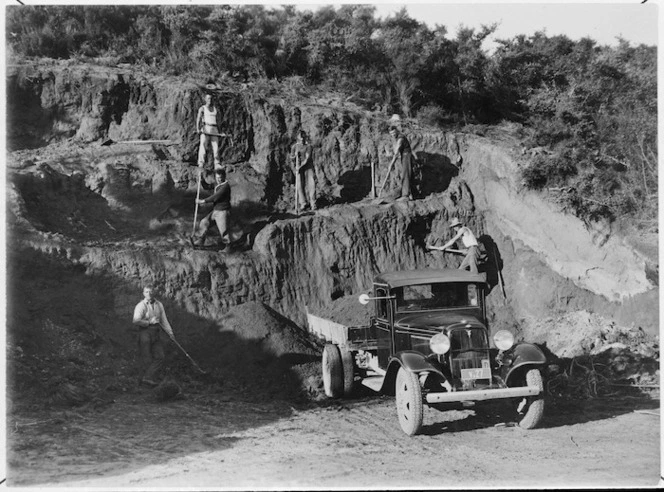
column 500, row 273
column 109, row 141
column 198, row 195
column 193, row 362
column 389, row 170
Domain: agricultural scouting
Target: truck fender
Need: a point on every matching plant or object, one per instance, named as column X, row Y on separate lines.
column 522, row 355
column 411, row 361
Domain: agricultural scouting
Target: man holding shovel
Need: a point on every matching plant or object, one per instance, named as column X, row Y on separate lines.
column 404, row 153
column 150, row 317
column 305, row 187
column 220, row 214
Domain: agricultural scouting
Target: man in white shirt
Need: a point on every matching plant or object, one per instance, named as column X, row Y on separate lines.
column 469, row 241
column 207, row 127
column 150, row 317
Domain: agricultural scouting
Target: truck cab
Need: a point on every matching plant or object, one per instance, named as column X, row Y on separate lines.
column 411, row 307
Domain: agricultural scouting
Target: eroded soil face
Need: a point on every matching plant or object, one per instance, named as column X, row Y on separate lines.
column 86, row 226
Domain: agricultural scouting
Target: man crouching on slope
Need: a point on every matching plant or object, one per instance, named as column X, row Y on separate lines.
column 150, row 317
column 469, row 241
column 221, row 199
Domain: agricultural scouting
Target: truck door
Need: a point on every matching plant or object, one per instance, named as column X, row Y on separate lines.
column 383, row 324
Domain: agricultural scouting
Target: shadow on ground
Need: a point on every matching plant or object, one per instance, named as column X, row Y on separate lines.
column 69, row 334
column 558, row 413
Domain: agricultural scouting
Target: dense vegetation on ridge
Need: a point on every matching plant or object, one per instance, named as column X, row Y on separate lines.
column 592, row 109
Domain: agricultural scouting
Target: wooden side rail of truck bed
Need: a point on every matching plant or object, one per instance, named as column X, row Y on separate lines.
column 351, row 337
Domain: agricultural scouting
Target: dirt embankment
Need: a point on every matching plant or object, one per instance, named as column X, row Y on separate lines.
column 89, row 224
column 126, row 208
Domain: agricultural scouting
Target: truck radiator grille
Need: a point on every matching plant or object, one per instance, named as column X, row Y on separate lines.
column 469, row 348
column 469, row 339
column 467, row 360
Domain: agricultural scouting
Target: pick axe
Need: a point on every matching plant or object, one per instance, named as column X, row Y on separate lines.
column 448, row 250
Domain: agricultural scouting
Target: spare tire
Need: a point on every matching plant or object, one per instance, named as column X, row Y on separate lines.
column 333, row 374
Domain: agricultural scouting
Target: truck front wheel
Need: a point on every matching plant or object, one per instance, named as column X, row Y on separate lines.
column 409, row 401
column 530, row 410
column 333, row 375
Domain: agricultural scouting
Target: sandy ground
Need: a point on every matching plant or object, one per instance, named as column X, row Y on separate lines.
column 228, row 441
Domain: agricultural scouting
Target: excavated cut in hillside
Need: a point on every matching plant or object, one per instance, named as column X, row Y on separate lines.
column 121, row 214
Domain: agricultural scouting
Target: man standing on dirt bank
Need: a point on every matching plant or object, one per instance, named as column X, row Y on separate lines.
column 469, row 241
column 302, row 157
column 403, row 151
column 150, row 317
column 207, row 128
column 221, row 212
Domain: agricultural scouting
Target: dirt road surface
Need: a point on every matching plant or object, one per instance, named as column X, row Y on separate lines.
column 228, row 441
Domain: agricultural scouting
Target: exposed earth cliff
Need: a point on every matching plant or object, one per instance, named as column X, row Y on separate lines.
column 92, row 221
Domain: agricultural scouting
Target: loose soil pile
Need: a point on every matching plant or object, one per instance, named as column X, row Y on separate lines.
column 65, row 350
column 581, row 332
column 346, row 310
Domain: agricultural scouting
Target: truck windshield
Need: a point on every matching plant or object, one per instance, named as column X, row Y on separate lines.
column 428, row 297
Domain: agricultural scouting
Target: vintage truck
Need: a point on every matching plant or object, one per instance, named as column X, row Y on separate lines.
column 428, row 344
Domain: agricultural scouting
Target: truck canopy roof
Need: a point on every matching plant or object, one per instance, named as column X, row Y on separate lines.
column 428, row 276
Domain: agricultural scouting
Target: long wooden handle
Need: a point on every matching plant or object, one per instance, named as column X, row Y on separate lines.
column 297, row 192
column 373, row 179
column 386, row 176
column 500, row 274
column 448, row 250
column 198, row 194
column 217, row 135
column 198, row 368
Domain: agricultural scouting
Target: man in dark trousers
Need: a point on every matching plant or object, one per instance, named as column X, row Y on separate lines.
column 221, row 211
column 469, row 240
column 403, row 151
column 150, row 317
column 302, row 156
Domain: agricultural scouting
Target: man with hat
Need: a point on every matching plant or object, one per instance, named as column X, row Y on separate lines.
column 469, row 241
column 402, row 151
column 302, row 157
column 221, row 210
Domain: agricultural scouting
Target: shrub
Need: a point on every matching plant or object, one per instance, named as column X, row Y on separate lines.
column 548, row 170
column 433, row 115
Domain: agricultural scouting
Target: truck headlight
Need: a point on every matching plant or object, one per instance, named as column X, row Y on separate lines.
column 503, row 340
column 439, row 344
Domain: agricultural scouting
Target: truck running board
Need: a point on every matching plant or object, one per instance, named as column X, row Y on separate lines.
column 479, row 395
column 373, row 382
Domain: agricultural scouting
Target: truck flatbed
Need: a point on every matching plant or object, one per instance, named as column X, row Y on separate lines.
column 352, row 337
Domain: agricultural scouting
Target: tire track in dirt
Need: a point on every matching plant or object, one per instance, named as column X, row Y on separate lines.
column 350, row 443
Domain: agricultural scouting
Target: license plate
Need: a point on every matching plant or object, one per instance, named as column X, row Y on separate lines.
column 483, row 372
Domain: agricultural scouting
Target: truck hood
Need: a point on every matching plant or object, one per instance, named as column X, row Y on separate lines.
column 437, row 321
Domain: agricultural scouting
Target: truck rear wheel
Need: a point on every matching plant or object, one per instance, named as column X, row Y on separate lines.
column 333, row 374
column 349, row 371
column 409, row 401
column 530, row 409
